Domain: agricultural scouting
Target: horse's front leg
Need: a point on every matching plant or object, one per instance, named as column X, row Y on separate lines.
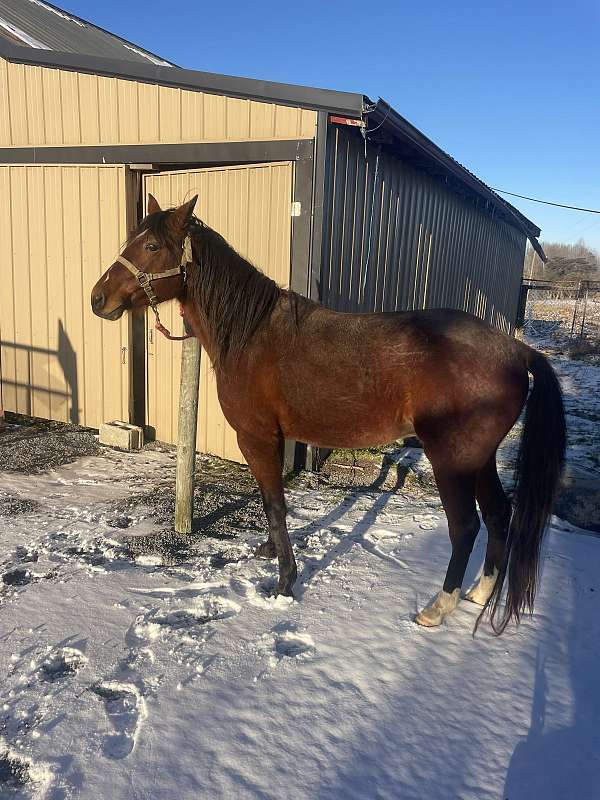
column 265, row 459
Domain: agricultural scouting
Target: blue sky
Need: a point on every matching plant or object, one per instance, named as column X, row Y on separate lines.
column 510, row 89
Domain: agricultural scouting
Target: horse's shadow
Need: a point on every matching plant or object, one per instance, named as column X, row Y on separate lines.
column 357, row 533
column 554, row 761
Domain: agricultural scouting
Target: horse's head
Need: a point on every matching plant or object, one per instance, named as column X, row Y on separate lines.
column 155, row 250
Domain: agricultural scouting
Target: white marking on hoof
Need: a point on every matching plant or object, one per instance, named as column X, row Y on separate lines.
column 435, row 613
column 480, row 593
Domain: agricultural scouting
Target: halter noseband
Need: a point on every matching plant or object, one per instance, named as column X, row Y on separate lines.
column 145, row 280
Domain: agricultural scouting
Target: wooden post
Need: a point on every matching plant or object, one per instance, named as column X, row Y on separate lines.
column 585, row 299
column 575, row 308
column 186, row 439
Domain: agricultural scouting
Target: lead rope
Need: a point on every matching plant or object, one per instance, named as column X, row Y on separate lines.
column 165, row 331
column 186, row 258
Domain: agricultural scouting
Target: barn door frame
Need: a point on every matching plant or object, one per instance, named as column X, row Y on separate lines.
column 301, row 152
column 252, row 206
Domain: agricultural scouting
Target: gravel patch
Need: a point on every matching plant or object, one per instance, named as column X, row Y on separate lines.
column 11, row 505
column 32, row 445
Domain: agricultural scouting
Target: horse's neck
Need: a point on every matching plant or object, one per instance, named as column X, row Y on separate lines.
column 197, row 322
column 228, row 300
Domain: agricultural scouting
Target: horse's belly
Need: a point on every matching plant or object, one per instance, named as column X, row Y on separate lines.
column 354, row 408
column 357, row 433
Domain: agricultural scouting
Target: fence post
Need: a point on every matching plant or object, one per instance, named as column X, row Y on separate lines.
column 585, row 299
column 576, row 308
column 186, row 438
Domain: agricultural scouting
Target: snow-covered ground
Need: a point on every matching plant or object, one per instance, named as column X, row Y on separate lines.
column 139, row 665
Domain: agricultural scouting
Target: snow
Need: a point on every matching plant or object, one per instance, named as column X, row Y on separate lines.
column 140, row 671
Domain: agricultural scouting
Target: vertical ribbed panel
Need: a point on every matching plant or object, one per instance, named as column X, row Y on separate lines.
column 250, row 207
column 48, row 106
column 61, row 227
column 396, row 238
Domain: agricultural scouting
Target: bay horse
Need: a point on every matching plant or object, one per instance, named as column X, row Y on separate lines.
column 288, row 368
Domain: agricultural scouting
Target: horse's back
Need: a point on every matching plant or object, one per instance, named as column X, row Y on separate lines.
column 352, row 380
column 387, row 340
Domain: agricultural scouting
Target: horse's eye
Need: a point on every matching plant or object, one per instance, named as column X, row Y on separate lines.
column 151, row 246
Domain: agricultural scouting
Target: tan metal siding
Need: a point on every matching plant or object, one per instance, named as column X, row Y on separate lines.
column 430, row 247
column 60, row 228
column 250, row 207
column 46, row 106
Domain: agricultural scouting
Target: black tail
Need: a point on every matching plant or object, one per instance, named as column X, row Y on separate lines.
column 539, row 465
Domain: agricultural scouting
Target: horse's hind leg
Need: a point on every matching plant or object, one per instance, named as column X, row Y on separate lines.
column 495, row 510
column 265, row 459
column 457, row 492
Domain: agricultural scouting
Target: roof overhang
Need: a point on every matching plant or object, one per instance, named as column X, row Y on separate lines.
column 245, row 88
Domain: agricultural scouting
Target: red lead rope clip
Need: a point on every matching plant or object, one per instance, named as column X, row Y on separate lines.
column 166, row 332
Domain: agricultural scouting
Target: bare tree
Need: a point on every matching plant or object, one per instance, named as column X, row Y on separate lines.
column 567, row 263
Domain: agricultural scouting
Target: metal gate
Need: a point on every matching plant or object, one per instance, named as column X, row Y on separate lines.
column 251, row 207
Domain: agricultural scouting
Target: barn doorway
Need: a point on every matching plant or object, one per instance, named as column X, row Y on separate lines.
column 250, row 206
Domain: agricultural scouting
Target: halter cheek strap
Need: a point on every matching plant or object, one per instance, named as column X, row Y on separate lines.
column 145, row 280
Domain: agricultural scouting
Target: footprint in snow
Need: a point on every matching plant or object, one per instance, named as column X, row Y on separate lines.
column 294, row 645
column 183, row 622
column 261, row 595
column 62, row 662
column 286, row 642
column 126, row 710
column 20, row 777
column 14, row 771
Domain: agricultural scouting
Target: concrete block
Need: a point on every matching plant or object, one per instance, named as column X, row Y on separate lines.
column 121, row 435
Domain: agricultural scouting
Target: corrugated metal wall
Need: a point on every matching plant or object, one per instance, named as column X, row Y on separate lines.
column 60, row 227
column 410, row 241
column 46, row 106
column 250, row 207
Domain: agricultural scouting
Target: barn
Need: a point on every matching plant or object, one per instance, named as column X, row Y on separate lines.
column 332, row 194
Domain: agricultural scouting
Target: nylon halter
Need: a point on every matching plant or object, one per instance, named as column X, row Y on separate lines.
column 145, row 280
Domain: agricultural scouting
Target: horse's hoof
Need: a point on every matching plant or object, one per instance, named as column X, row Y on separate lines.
column 429, row 617
column 285, row 586
column 266, row 550
column 474, row 597
column 435, row 613
column 482, row 591
column 285, row 591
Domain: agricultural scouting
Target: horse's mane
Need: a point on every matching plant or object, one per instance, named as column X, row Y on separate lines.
column 233, row 296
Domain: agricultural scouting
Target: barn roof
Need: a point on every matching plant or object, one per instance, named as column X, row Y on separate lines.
column 59, row 39
column 39, row 25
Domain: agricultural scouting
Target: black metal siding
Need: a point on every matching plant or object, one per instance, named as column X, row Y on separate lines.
column 410, row 241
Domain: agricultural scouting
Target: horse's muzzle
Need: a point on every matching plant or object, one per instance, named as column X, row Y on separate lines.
column 98, row 302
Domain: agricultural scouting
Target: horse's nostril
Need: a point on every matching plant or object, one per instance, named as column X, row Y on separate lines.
column 98, row 301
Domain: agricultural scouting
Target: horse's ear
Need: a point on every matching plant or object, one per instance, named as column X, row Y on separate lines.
column 153, row 207
column 183, row 214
